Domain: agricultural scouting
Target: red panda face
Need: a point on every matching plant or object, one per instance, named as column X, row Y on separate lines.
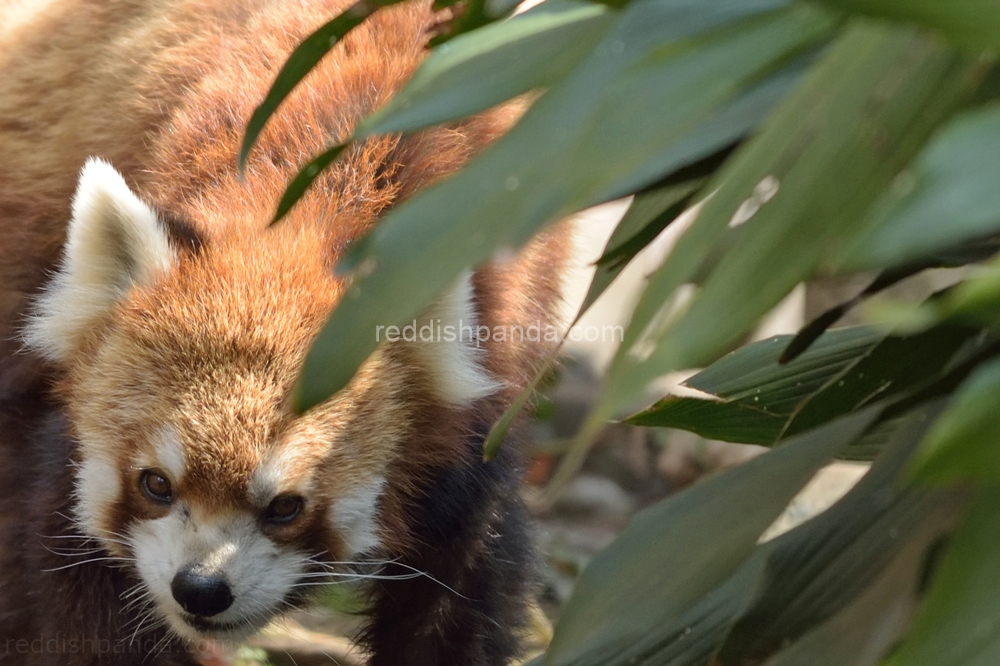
column 191, row 464
column 229, row 507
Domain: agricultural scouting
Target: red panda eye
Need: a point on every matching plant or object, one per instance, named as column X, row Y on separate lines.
column 156, row 486
column 283, row 509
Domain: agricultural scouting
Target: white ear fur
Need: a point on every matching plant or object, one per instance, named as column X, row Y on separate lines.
column 453, row 360
column 114, row 241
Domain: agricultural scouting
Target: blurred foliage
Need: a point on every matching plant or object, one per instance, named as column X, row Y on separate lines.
column 823, row 139
column 345, row 598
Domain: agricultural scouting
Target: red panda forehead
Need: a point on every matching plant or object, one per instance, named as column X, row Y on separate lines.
column 217, row 477
column 217, row 464
column 257, row 294
column 290, row 464
column 218, row 341
column 215, row 471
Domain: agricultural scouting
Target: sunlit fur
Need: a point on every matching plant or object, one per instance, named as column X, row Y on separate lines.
column 150, row 319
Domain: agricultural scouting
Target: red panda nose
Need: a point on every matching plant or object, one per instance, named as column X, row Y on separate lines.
column 201, row 594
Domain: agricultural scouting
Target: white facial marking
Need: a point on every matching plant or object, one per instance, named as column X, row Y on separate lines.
column 259, row 574
column 170, row 454
column 97, row 489
column 273, row 476
column 453, row 360
column 354, row 517
column 113, row 241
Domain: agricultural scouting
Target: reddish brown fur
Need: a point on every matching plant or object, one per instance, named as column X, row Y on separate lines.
column 163, row 89
column 172, row 121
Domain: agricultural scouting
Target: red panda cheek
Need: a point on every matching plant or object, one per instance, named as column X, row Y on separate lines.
column 354, row 517
column 98, row 495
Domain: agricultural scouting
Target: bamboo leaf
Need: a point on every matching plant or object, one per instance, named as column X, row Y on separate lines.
column 628, row 600
column 648, row 215
column 947, row 197
column 958, row 625
column 653, row 210
column 965, row 443
column 501, row 61
column 722, row 420
column 809, row 333
column 885, row 372
column 757, row 395
column 824, row 565
column 972, row 23
column 867, row 629
column 309, row 173
column 305, row 56
column 794, row 195
column 581, row 150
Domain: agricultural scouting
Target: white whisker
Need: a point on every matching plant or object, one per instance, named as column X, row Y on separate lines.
column 95, row 559
column 132, row 591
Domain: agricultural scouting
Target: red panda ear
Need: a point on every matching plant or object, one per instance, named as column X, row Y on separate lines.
column 452, row 355
column 114, row 241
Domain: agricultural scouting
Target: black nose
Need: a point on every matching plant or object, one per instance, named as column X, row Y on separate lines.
column 201, row 594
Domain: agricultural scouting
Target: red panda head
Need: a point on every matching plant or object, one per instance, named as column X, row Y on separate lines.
column 179, row 369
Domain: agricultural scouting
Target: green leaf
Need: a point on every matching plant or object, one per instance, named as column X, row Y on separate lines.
column 641, row 588
column 870, row 445
column 809, row 333
column 959, row 624
column 722, row 420
column 654, row 209
column 305, row 56
column 948, row 196
column 965, row 443
column 649, row 214
column 570, row 150
column 693, row 635
column 973, row 302
column 782, row 589
column 650, row 210
column 753, row 370
column 976, row 299
column 477, row 71
column 971, row 23
column 865, row 630
column 886, row 372
column 731, row 78
column 623, row 251
column 471, row 14
column 304, row 179
column 758, row 395
column 822, row 566
column 794, row 194
column 498, row 433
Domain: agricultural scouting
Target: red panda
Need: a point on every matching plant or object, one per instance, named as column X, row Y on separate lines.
column 156, row 487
